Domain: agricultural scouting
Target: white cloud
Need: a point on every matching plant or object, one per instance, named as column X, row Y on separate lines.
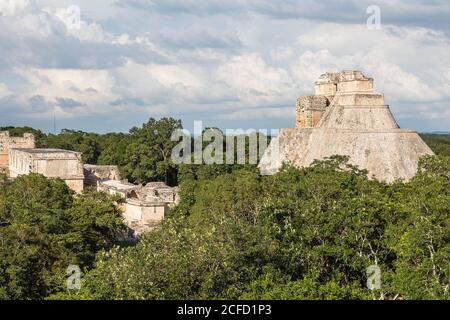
column 260, row 113
column 181, row 87
column 169, row 75
column 77, row 27
column 394, row 56
column 248, row 61
column 281, row 53
column 13, row 7
column 4, row 91
column 256, row 82
column 92, row 90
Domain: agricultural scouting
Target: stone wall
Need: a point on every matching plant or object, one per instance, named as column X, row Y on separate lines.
column 356, row 123
column 7, row 142
column 76, row 185
column 51, row 163
column 94, row 174
column 339, row 88
column 152, row 212
column 20, row 163
column 159, row 190
column 309, row 110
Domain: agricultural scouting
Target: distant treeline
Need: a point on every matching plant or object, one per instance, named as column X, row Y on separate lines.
column 109, row 148
column 143, row 154
column 439, row 143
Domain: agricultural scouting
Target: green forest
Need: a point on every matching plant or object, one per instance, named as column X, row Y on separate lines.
column 306, row 233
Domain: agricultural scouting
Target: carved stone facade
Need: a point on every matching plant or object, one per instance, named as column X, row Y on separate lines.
column 52, row 163
column 7, row 142
column 345, row 117
column 310, row 110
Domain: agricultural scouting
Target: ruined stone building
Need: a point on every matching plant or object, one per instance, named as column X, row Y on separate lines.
column 162, row 191
column 7, row 143
column 345, row 117
column 144, row 207
column 95, row 173
column 19, row 156
column 52, row 163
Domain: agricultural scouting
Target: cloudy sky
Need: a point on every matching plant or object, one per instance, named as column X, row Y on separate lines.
column 229, row 63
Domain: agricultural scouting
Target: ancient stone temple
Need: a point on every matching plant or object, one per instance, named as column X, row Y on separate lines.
column 345, row 117
column 7, row 142
column 52, row 163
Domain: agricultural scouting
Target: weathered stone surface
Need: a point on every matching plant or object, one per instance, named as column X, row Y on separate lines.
column 145, row 206
column 310, row 110
column 160, row 190
column 93, row 174
column 357, row 124
column 52, row 163
column 7, row 142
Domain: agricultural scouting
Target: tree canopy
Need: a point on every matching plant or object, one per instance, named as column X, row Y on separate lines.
column 309, row 233
column 300, row 234
column 44, row 228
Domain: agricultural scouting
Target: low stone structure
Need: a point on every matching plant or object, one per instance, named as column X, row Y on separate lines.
column 121, row 188
column 7, row 142
column 142, row 216
column 345, row 117
column 52, row 163
column 160, row 190
column 145, row 206
column 93, row 174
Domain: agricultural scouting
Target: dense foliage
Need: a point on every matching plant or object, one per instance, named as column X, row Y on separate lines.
column 300, row 234
column 44, row 229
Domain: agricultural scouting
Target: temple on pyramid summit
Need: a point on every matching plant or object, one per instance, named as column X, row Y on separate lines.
column 345, row 117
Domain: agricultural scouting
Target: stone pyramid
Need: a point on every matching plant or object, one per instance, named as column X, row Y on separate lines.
column 345, row 117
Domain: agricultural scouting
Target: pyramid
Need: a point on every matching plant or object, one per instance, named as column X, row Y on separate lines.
column 345, row 117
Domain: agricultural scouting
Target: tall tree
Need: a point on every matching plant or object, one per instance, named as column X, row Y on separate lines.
column 148, row 156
